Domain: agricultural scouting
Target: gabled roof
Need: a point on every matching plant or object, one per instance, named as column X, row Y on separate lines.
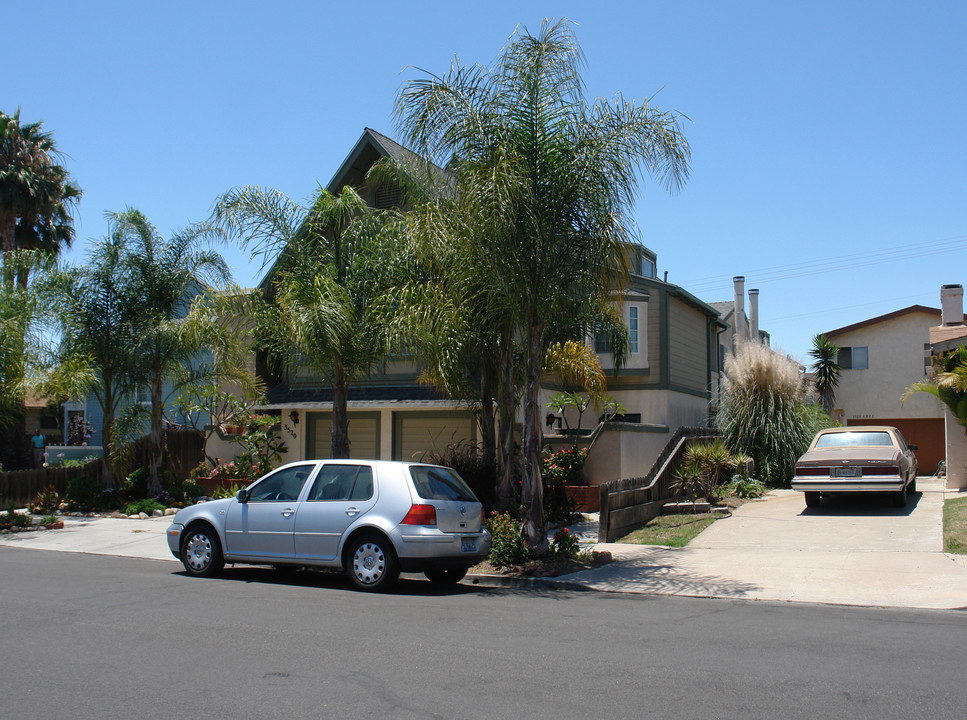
column 370, row 147
column 884, row 318
column 725, row 308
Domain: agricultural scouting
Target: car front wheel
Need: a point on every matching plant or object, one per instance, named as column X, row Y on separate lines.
column 445, row 576
column 372, row 563
column 201, row 552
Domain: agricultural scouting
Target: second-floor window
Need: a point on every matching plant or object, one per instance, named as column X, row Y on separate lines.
column 633, row 330
column 854, row 358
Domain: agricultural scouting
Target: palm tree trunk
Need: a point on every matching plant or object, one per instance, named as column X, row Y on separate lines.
column 488, row 442
column 505, row 423
column 156, row 453
column 340, row 413
column 532, row 491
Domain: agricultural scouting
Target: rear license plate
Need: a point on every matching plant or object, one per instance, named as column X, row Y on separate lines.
column 845, row 472
column 468, row 544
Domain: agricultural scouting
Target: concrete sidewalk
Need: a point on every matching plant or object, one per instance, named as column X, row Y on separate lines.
column 857, row 551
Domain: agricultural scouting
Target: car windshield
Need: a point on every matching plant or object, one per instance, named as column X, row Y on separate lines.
column 855, row 439
column 437, row 483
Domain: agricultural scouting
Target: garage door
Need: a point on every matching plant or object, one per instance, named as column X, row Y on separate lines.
column 416, row 434
column 926, row 433
column 363, row 435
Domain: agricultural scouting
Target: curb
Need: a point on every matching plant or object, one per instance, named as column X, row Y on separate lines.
column 525, row 583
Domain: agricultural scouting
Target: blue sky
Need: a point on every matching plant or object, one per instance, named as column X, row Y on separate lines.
column 829, row 159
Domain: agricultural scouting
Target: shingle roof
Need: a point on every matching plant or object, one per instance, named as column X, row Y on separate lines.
column 284, row 394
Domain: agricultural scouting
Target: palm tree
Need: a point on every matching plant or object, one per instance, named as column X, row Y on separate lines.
column 327, row 307
column 568, row 172
column 826, row 368
column 165, row 275
column 95, row 310
column 949, row 385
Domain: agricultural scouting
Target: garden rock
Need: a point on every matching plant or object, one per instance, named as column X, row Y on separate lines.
column 171, row 511
column 158, row 513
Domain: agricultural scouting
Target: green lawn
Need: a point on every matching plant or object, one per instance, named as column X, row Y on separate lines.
column 955, row 526
column 671, row 530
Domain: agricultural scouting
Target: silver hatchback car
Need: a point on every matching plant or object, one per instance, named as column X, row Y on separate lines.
column 371, row 518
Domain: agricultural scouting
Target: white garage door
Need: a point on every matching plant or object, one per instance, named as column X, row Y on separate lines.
column 419, row 433
column 363, row 435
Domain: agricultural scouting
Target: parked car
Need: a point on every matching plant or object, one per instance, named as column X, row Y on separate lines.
column 871, row 458
column 370, row 518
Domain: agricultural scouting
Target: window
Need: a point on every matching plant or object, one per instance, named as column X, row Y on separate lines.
column 282, row 486
column 633, row 330
column 648, row 268
column 601, row 344
column 436, row 483
column 343, row 482
column 854, row 358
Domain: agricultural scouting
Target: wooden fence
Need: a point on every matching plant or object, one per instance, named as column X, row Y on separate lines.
column 627, row 504
column 184, row 450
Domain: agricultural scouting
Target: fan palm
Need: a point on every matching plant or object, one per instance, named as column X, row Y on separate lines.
column 568, row 172
column 949, row 385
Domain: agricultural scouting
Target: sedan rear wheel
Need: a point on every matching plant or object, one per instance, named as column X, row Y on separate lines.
column 900, row 498
column 812, row 499
column 201, row 552
column 372, row 563
column 912, row 487
column 445, row 576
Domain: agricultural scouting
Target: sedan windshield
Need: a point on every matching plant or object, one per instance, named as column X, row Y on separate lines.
column 855, row 439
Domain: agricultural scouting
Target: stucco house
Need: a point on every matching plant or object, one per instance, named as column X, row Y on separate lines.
column 879, row 359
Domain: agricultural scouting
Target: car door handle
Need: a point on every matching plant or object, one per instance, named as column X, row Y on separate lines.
column 288, row 512
column 352, row 511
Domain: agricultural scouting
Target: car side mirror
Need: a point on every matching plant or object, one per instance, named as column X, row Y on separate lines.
column 242, row 496
column 912, row 447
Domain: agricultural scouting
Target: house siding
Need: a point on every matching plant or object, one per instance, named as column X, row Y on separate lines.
column 688, row 344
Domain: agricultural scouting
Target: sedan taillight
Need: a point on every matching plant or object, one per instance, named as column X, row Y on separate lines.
column 420, row 515
column 881, row 470
column 812, row 471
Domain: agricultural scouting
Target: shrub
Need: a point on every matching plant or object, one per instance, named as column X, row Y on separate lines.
column 564, row 545
column 566, row 466
column 762, row 411
column 12, row 518
column 226, row 492
column 48, row 520
column 468, row 460
column 135, row 486
column 745, row 487
column 507, row 545
column 46, row 502
column 146, row 506
column 82, row 491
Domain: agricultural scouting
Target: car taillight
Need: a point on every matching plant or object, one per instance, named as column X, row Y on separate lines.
column 812, row 471
column 881, row 470
column 420, row 515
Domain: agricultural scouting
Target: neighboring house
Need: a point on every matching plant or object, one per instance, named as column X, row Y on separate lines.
column 879, row 359
column 737, row 323
column 951, row 333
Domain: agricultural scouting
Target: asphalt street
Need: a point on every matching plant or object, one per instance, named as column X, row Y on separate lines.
column 91, row 636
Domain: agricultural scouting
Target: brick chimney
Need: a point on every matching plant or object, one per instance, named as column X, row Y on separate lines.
column 738, row 315
column 754, row 315
column 951, row 305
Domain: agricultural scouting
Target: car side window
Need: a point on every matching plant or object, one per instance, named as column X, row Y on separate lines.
column 342, row 482
column 282, row 486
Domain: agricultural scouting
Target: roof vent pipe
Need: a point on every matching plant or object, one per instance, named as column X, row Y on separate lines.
column 739, row 314
column 952, row 304
column 754, row 315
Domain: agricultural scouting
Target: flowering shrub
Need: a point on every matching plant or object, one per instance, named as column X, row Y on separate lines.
column 506, row 545
column 227, row 471
column 564, row 544
column 565, row 466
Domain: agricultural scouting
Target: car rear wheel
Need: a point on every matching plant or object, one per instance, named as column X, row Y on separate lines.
column 912, row 487
column 201, row 552
column 445, row 576
column 812, row 499
column 372, row 563
column 900, row 498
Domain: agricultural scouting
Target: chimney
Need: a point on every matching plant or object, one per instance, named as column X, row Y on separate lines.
column 952, row 304
column 738, row 323
column 754, row 315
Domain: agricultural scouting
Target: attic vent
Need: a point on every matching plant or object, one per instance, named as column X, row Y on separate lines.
column 387, row 197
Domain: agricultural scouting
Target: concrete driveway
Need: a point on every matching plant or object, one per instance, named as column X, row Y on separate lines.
column 852, row 550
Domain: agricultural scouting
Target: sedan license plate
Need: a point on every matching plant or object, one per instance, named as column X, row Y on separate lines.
column 468, row 544
column 845, row 472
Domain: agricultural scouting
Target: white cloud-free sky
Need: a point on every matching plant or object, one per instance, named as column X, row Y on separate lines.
column 829, row 159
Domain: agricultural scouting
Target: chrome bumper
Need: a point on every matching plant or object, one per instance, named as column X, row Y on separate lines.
column 827, row 484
